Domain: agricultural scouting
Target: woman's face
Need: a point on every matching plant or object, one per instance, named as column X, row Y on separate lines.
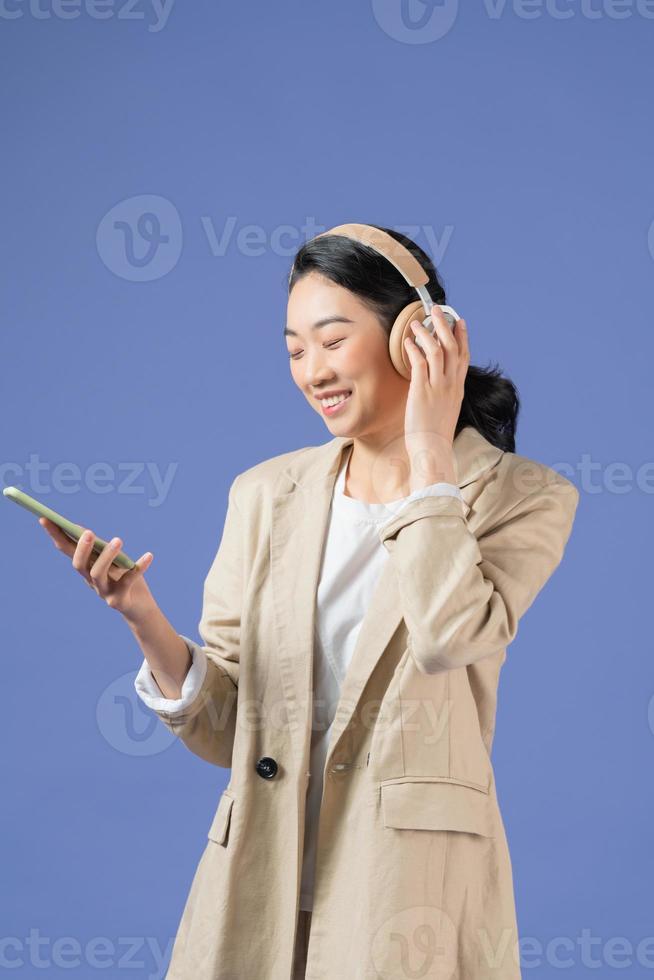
column 347, row 353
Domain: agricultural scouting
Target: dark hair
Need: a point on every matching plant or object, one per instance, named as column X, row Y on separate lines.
column 490, row 401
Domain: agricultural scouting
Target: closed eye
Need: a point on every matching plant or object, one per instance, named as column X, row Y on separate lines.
column 332, row 343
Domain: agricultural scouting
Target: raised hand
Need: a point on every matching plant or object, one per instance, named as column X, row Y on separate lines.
column 436, row 389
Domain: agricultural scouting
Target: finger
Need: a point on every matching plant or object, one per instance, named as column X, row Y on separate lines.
column 142, row 563
column 60, row 540
column 433, row 350
column 82, row 557
column 140, row 566
column 448, row 341
column 442, row 329
column 419, row 366
column 462, row 339
column 100, row 569
column 127, row 577
column 427, row 338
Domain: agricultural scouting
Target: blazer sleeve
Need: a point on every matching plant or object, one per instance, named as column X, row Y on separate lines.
column 204, row 717
column 151, row 694
column 462, row 597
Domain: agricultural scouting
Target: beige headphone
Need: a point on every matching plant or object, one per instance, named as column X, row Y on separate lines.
column 415, row 275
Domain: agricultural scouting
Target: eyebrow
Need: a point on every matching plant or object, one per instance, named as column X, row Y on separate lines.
column 319, row 323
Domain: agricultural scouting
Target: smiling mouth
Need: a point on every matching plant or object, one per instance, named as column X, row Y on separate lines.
column 330, row 407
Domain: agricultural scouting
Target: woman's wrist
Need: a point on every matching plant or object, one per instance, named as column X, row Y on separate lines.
column 431, row 458
column 167, row 654
column 438, row 470
column 141, row 617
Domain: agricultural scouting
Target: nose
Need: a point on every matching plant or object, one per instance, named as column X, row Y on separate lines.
column 317, row 368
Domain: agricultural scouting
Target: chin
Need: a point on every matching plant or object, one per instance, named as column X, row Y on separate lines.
column 343, row 427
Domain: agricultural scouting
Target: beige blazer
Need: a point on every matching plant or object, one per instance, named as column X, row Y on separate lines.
column 413, row 875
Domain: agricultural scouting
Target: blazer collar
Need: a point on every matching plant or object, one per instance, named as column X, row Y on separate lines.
column 299, row 520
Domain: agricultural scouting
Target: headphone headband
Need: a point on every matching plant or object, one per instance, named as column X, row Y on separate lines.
column 386, row 245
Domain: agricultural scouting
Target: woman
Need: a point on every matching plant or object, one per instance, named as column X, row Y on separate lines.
column 355, row 620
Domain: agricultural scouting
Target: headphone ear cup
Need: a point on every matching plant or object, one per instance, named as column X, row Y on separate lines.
column 400, row 330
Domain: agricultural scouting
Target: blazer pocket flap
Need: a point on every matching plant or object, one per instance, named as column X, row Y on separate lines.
column 220, row 824
column 436, row 805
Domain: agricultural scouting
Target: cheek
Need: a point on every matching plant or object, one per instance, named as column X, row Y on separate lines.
column 370, row 365
column 357, row 361
column 296, row 371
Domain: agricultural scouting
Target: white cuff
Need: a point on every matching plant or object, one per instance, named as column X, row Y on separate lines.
column 436, row 490
column 149, row 692
column 441, row 489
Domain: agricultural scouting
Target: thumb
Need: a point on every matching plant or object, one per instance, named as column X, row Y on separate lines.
column 140, row 566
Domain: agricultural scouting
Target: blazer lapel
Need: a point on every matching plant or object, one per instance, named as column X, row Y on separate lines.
column 300, row 511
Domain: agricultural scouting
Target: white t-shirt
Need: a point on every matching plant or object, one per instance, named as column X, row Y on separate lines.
column 352, row 560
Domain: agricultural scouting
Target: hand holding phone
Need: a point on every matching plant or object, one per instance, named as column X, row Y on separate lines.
column 112, row 574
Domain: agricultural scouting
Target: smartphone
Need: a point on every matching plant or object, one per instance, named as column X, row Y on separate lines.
column 74, row 531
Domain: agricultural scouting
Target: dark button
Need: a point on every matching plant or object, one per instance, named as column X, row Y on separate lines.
column 266, row 767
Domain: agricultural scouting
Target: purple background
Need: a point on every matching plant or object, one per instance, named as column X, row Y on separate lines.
column 512, row 143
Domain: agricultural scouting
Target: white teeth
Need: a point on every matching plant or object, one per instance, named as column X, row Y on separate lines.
column 335, row 400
